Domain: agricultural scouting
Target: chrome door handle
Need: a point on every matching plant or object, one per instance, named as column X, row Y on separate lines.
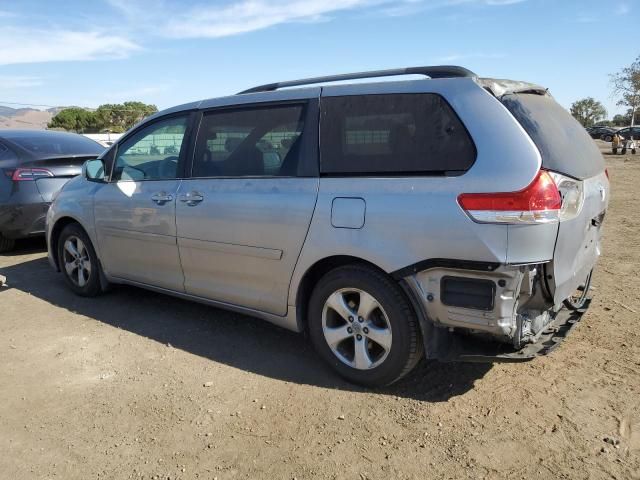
column 161, row 198
column 191, row 198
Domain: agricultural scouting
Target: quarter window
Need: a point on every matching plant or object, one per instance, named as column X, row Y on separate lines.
column 393, row 134
column 153, row 152
column 256, row 142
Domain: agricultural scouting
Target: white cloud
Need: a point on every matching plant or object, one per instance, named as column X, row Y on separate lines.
column 27, row 45
column 9, row 82
column 243, row 16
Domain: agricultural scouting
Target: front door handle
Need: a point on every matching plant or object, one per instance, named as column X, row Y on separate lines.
column 161, row 198
column 191, row 198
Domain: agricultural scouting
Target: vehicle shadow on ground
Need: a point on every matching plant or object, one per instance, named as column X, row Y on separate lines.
column 237, row 340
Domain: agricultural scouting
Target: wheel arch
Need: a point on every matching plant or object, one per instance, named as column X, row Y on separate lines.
column 56, row 230
column 313, row 275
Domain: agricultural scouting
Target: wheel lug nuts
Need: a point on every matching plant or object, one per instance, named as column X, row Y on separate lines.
column 365, row 330
column 360, row 319
column 350, row 330
column 359, row 337
column 351, row 319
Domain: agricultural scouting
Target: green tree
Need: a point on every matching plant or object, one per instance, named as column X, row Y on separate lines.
column 113, row 117
column 626, row 87
column 74, row 119
column 588, row 111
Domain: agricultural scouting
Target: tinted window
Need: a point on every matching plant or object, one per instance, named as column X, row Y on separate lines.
column 393, row 134
column 264, row 141
column 564, row 144
column 153, row 152
column 56, row 144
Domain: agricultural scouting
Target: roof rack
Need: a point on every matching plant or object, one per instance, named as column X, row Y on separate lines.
column 444, row 71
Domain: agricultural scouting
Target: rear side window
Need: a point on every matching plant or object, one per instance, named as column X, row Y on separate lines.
column 565, row 146
column 393, row 134
column 251, row 142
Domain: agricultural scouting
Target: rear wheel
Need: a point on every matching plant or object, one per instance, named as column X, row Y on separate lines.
column 579, row 298
column 78, row 261
column 362, row 324
column 6, row 244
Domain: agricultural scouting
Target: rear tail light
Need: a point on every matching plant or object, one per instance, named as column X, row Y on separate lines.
column 572, row 193
column 25, row 174
column 540, row 202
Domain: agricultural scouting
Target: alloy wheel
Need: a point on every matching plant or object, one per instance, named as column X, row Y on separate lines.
column 77, row 263
column 356, row 328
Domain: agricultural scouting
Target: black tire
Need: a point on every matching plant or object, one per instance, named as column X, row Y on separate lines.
column 576, row 302
column 91, row 286
column 6, row 244
column 406, row 346
column 607, row 138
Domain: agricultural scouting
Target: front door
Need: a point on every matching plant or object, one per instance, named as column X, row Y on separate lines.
column 243, row 216
column 135, row 212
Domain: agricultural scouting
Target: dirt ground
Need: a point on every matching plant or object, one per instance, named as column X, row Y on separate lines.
column 140, row 385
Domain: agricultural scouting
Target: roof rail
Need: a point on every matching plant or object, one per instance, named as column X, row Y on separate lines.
column 444, row 71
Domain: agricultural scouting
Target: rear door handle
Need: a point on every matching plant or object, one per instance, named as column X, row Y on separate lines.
column 191, row 198
column 161, row 198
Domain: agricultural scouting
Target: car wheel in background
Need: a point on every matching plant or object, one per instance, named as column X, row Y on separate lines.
column 78, row 261
column 362, row 324
column 6, row 244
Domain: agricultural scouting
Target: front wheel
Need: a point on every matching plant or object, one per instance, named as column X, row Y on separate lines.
column 78, row 261
column 362, row 324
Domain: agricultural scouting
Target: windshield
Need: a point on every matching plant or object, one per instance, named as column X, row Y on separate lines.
column 55, row 144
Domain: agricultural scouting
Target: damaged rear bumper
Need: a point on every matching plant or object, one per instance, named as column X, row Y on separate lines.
column 487, row 312
column 466, row 348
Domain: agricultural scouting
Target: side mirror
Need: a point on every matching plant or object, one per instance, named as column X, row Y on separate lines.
column 93, row 170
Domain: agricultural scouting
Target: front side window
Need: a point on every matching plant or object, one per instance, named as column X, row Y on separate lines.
column 392, row 134
column 153, row 152
column 252, row 142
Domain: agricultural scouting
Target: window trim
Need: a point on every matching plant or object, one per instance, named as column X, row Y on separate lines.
column 185, row 149
column 309, row 161
column 392, row 174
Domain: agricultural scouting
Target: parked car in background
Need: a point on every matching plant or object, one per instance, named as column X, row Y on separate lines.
column 628, row 133
column 34, row 165
column 598, row 131
column 452, row 217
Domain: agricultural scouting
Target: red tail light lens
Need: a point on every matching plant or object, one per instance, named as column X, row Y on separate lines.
column 540, row 202
column 26, row 174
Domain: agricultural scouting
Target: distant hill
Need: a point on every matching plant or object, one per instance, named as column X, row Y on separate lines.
column 26, row 117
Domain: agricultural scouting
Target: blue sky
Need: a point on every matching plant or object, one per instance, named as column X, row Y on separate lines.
column 79, row 52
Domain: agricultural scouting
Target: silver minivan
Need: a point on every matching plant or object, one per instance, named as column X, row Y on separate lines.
column 452, row 217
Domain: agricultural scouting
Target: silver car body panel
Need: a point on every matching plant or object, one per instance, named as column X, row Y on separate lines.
column 240, row 244
column 250, row 243
column 137, row 236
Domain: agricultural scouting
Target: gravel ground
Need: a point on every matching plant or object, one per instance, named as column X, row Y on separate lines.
column 138, row 385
